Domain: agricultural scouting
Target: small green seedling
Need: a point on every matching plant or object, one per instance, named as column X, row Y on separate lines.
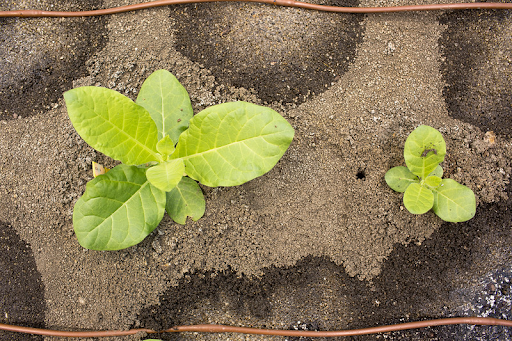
column 421, row 180
column 163, row 148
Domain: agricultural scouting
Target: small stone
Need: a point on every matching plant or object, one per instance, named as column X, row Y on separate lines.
column 490, row 138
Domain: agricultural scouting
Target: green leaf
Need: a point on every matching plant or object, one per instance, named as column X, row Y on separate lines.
column 433, row 181
column 186, row 199
column 399, row 178
column 231, row 143
column 424, row 150
column 113, row 124
column 437, row 172
column 165, row 146
column 168, row 103
column 166, row 175
column 418, row 199
column 454, row 202
column 118, row 209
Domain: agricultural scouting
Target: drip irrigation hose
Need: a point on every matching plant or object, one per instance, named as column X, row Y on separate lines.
column 288, row 3
column 214, row 328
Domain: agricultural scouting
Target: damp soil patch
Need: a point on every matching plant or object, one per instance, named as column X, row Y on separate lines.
column 40, row 57
column 282, row 54
column 21, row 288
column 476, row 52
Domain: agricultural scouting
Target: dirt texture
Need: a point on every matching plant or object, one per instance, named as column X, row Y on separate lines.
column 320, row 242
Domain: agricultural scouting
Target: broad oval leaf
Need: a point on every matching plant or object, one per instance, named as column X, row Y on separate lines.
column 424, row 150
column 454, row 202
column 418, row 199
column 113, row 124
column 399, row 178
column 166, row 175
column 185, row 200
column 231, row 143
column 118, row 209
column 167, row 102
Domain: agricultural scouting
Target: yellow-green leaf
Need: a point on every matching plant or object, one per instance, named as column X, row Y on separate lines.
column 454, row 202
column 418, row 199
column 399, row 178
column 424, row 150
column 118, row 209
column 113, row 124
column 185, row 200
column 166, row 175
column 167, row 102
column 231, row 143
column 165, row 146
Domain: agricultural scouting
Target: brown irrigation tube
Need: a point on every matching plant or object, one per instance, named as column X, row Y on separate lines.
column 289, row 3
column 213, row 328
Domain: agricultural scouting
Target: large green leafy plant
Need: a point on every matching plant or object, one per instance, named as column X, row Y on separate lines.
column 421, row 180
column 163, row 149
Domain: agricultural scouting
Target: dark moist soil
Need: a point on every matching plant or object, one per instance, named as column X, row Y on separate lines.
column 318, row 243
column 21, row 287
column 276, row 62
column 476, row 92
column 35, row 75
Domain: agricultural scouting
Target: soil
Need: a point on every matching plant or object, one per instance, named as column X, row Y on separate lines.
column 320, row 242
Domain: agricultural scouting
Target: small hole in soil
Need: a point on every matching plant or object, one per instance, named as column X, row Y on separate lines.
column 361, row 174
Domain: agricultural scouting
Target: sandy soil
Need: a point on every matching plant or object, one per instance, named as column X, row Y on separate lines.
column 320, row 242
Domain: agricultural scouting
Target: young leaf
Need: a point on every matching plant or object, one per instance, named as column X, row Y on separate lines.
column 418, row 199
column 231, row 143
column 433, row 181
column 165, row 146
column 454, row 202
column 118, row 209
column 424, row 150
column 168, row 103
column 437, row 172
column 186, row 199
column 399, row 178
column 166, row 175
column 113, row 124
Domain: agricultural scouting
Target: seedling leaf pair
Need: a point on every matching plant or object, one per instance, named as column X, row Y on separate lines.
column 422, row 183
column 160, row 143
